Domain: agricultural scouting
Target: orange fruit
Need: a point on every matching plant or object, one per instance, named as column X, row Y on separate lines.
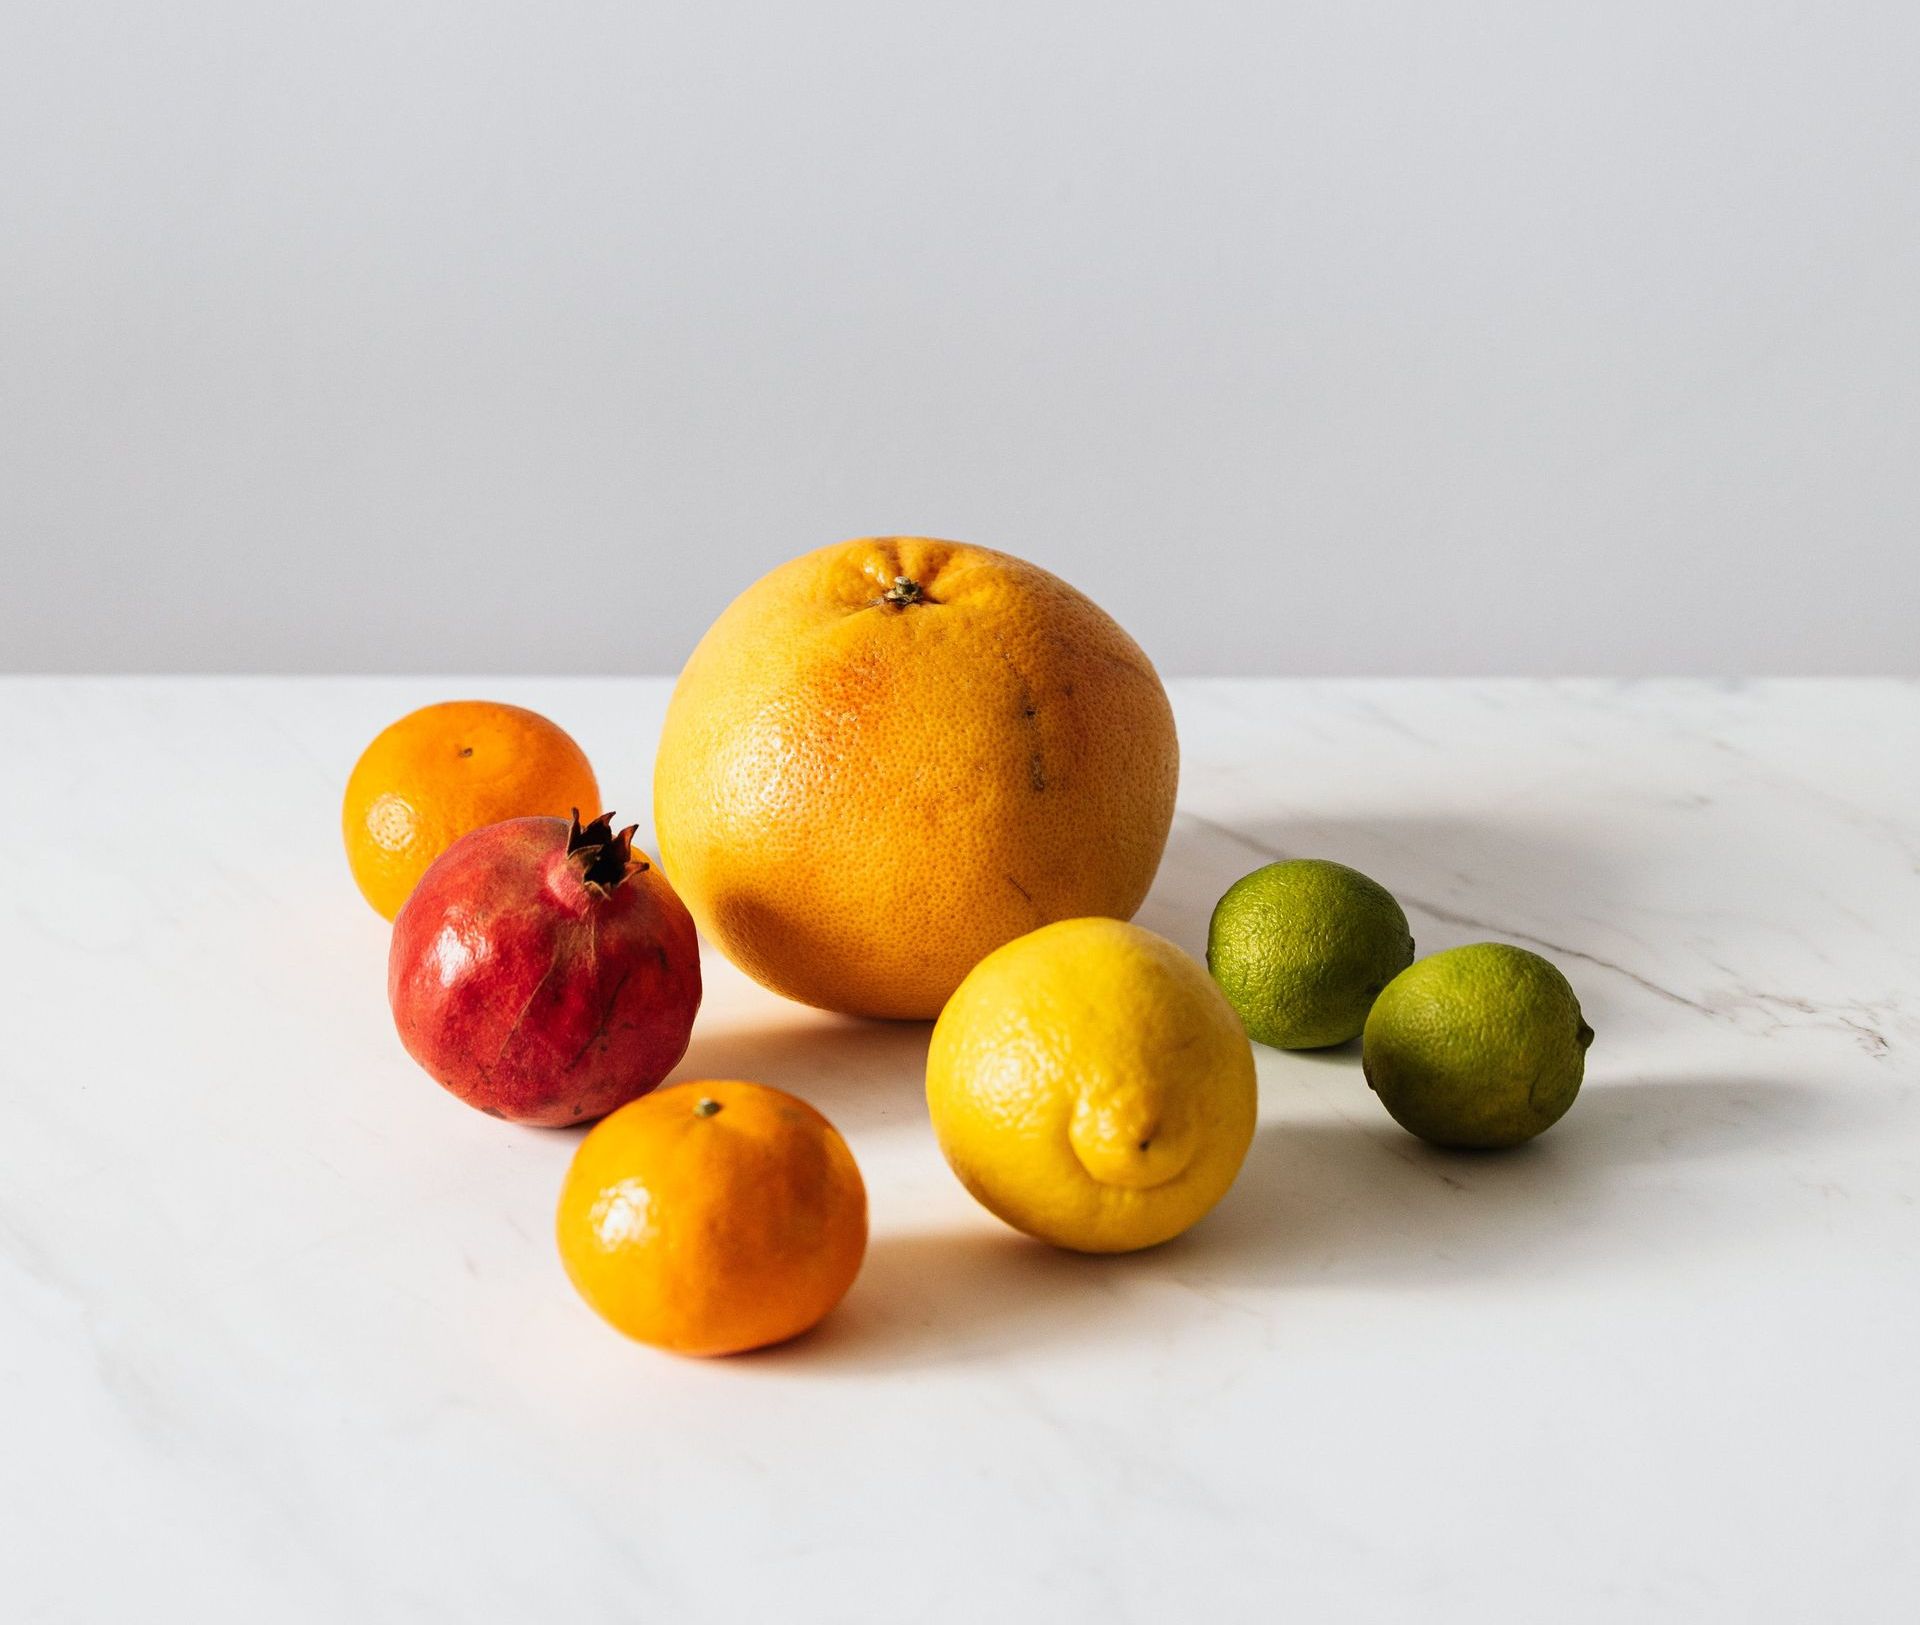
column 712, row 1217
column 891, row 756
column 444, row 770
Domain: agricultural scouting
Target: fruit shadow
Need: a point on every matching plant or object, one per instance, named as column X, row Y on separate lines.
column 1353, row 1200
column 1336, row 1203
column 865, row 1076
column 1460, row 880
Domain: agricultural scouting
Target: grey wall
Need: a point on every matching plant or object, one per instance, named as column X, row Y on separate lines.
column 1340, row 337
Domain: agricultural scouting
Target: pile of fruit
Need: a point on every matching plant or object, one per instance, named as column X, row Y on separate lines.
column 910, row 779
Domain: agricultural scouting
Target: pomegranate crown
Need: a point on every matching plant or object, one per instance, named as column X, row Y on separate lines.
column 603, row 858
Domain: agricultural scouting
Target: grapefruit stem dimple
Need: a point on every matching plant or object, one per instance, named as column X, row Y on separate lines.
column 706, row 1107
column 901, row 593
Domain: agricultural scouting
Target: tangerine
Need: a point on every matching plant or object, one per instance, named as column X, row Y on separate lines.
column 445, row 770
column 713, row 1217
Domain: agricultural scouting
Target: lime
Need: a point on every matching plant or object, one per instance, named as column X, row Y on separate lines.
column 1477, row 1047
column 1302, row 949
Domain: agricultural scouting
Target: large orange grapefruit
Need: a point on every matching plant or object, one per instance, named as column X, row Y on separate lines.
column 889, row 757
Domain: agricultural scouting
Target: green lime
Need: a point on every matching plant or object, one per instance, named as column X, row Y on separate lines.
column 1302, row 948
column 1477, row 1047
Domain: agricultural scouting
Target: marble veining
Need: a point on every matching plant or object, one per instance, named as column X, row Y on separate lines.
column 284, row 1336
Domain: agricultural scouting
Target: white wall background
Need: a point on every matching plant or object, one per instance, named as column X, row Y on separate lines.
column 1335, row 337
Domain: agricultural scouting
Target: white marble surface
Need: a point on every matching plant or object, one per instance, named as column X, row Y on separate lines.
column 283, row 1335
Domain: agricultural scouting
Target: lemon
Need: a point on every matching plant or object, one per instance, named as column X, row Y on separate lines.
column 1091, row 1086
column 1477, row 1048
column 1303, row 948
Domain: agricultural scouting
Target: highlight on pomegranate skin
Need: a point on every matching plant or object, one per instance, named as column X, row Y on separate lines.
column 543, row 972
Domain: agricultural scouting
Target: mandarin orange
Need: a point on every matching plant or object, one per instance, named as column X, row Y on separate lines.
column 712, row 1218
column 444, row 770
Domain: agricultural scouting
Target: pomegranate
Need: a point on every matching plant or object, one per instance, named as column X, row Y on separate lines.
column 543, row 972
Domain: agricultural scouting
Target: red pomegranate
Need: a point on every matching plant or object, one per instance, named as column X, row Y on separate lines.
column 544, row 973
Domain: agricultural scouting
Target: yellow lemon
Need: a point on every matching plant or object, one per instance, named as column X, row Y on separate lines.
column 1091, row 1085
